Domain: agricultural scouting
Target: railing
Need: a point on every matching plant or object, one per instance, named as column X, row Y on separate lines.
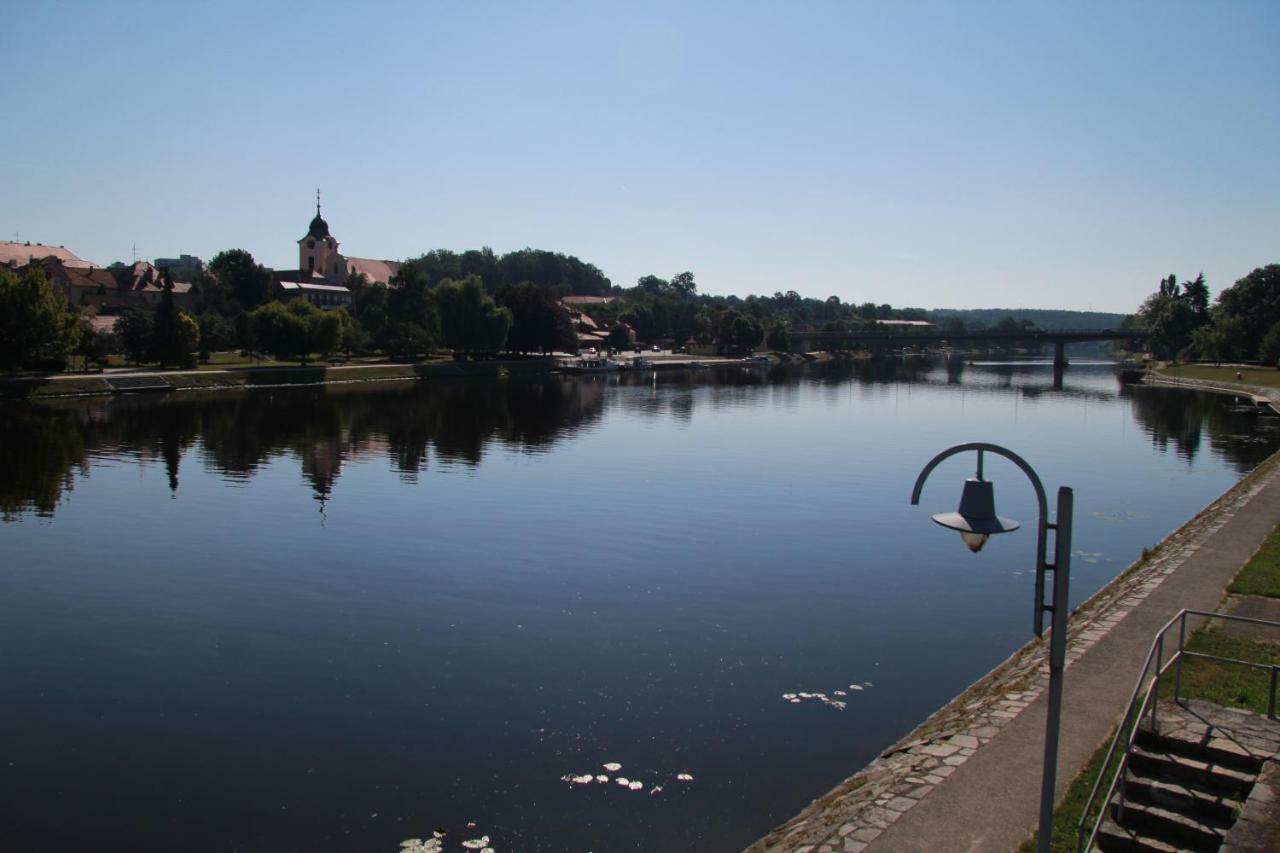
column 1143, row 704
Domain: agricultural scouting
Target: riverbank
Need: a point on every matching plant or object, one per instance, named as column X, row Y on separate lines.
column 235, row 379
column 968, row 776
column 1221, row 381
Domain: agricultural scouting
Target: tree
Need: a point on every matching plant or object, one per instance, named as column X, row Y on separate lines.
column 683, row 286
column 538, row 321
column 1269, row 349
column 174, row 333
column 36, row 325
column 1255, row 300
column 238, row 275
column 95, row 345
column 282, row 329
column 135, row 331
column 1219, row 340
column 777, row 339
column 470, row 321
column 217, row 333
column 747, row 332
column 619, row 337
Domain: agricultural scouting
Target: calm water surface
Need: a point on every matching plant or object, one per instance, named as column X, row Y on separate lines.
column 336, row 618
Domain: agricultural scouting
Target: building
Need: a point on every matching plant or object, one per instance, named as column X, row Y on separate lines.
column 17, row 255
column 323, row 271
column 111, row 291
column 182, row 268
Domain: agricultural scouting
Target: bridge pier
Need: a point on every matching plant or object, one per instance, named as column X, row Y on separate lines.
column 1060, row 354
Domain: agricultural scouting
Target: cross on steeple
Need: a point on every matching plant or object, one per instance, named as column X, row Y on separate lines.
column 317, row 201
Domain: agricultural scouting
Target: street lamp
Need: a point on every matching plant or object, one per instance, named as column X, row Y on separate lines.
column 976, row 520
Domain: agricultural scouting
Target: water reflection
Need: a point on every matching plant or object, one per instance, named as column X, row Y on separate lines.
column 45, row 447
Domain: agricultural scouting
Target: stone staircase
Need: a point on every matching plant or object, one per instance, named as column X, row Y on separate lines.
column 1187, row 785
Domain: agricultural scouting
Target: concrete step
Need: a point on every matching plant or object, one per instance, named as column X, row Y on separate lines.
column 1219, row 751
column 1113, row 838
column 1153, row 823
column 1185, row 799
column 1204, row 776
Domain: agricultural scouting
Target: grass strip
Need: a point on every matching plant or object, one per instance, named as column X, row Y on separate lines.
column 1269, row 377
column 1066, row 817
column 1227, row 684
column 1261, row 575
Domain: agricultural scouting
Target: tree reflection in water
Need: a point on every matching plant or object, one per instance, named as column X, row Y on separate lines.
column 44, row 447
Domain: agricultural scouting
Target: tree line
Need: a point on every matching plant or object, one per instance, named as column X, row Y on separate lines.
column 1242, row 323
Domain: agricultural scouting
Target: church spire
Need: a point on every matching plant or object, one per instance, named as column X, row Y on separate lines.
column 317, row 201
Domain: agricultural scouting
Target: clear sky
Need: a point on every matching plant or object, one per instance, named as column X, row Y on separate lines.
column 923, row 154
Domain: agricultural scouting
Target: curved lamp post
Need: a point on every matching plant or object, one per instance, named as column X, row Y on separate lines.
column 976, row 521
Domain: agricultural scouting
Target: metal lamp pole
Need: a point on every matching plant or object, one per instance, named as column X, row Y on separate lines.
column 976, row 520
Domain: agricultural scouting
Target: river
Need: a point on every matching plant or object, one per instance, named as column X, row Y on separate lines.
column 335, row 618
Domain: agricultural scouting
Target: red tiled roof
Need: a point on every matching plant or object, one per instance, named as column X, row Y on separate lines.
column 375, row 271
column 21, row 254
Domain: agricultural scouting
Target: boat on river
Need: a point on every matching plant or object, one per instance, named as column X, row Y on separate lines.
column 592, row 364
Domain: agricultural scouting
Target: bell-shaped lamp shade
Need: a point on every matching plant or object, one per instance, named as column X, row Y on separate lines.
column 976, row 520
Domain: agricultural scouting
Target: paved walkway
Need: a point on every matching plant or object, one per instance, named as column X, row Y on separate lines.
column 968, row 779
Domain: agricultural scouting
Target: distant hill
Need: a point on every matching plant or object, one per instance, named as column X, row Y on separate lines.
column 1045, row 318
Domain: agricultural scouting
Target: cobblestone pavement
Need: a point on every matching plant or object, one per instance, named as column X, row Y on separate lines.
column 859, row 812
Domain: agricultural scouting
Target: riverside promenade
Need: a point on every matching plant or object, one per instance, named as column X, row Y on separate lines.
column 968, row 778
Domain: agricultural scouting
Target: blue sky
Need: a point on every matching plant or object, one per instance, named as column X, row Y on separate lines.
column 921, row 154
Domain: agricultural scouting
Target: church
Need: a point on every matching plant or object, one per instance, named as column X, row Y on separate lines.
column 323, row 271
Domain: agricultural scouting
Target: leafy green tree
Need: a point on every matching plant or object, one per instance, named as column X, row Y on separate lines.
column 95, row 345
column 411, row 300
column 282, row 330
column 36, row 325
column 136, row 331
column 470, row 321
column 241, row 277
column 1220, row 340
column 174, row 333
column 747, row 332
column 619, row 337
column 217, row 333
column 777, row 338
column 683, row 285
column 404, row 340
column 1269, row 350
column 1255, row 300
column 538, row 322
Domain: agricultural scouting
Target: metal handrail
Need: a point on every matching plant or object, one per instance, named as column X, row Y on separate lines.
column 1148, row 691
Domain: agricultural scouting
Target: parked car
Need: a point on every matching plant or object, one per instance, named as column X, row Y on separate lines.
column 656, row 348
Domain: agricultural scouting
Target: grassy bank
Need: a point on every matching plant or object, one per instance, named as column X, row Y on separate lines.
column 1267, row 377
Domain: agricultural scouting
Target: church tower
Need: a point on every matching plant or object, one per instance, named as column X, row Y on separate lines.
column 318, row 251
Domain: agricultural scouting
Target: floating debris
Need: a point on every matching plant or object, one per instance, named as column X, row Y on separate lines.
column 624, row 781
column 855, row 686
column 584, row 779
column 655, row 789
column 476, row 843
column 417, row 845
column 612, row 766
column 602, row 779
column 821, row 697
column 684, row 777
column 636, row 786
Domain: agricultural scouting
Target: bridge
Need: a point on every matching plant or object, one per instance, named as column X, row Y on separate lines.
column 880, row 340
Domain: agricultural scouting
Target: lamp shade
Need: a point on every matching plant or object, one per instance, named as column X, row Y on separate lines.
column 977, row 513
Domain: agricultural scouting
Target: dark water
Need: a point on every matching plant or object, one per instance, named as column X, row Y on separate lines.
column 333, row 619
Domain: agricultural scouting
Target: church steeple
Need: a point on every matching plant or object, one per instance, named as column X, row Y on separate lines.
column 318, row 250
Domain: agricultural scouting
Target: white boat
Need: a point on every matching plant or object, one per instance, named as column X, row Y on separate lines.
column 591, row 365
